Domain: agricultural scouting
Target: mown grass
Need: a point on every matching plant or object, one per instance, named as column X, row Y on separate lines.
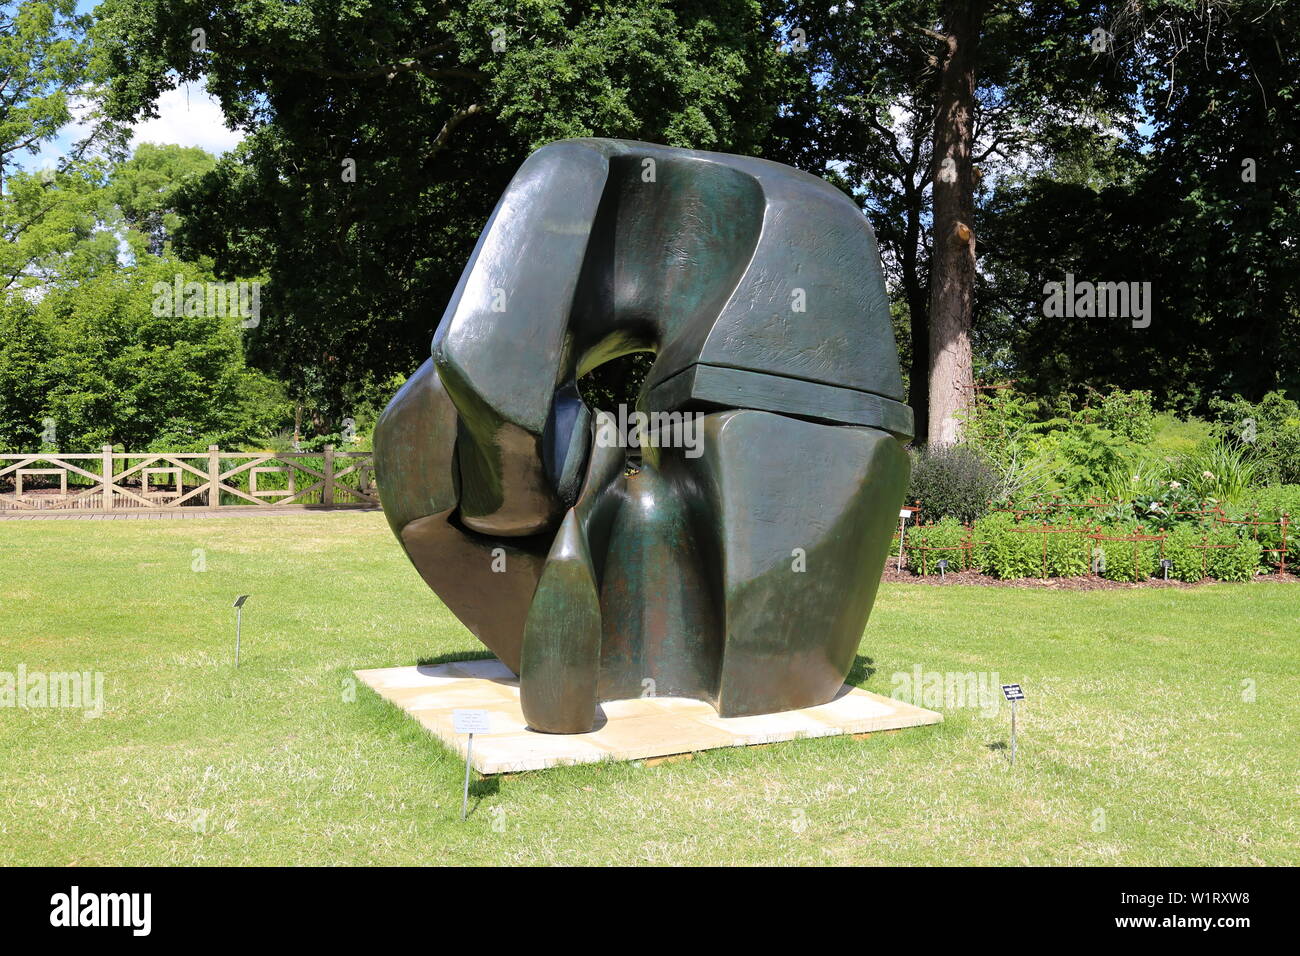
column 1138, row 743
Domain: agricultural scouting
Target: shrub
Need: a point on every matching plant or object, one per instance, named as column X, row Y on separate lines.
column 1183, row 549
column 1016, row 550
column 951, row 481
column 1236, row 563
column 1128, row 414
column 1141, row 480
column 948, row 533
column 1270, row 429
column 1003, row 552
column 1217, row 471
column 1081, row 454
column 1275, row 500
column 1127, row 560
column 1068, row 554
column 1269, row 504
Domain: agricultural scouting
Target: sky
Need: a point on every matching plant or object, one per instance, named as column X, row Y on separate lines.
column 187, row 116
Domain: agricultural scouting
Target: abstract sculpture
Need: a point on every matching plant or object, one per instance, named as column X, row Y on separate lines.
column 739, row 564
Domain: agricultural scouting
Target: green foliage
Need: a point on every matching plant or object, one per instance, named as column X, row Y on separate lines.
column 1200, row 203
column 997, row 420
column 1082, row 452
column 44, row 60
column 1010, row 549
column 1069, row 554
column 1171, row 503
column 1210, row 549
column 1098, row 453
column 947, row 533
column 1219, row 551
column 1218, row 471
column 1237, row 562
column 1183, row 549
column 1274, row 501
column 1127, row 560
column 1003, row 552
column 1127, row 414
column 1085, row 453
column 437, row 118
column 1001, row 427
column 59, row 227
column 50, row 220
column 94, row 359
column 1269, row 505
column 144, row 189
column 951, row 481
column 1268, row 429
column 1176, row 436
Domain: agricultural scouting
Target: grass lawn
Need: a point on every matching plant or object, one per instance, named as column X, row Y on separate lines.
column 1137, row 742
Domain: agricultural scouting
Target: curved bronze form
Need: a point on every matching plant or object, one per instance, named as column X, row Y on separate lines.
column 738, row 561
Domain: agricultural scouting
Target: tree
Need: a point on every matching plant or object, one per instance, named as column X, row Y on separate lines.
column 952, row 266
column 58, row 227
column 145, row 187
column 96, row 360
column 920, row 129
column 378, row 143
column 44, row 60
column 45, row 64
column 1222, row 89
column 1201, row 205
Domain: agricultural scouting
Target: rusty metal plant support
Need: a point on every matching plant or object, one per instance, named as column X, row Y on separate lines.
column 1046, row 529
column 967, row 548
column 1054, row 506
column 1137, row 538
column 1253, row 522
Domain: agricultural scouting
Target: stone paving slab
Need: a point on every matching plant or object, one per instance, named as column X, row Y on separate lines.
column 625, row 730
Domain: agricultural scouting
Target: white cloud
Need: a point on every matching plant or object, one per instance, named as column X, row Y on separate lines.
column 187, row 116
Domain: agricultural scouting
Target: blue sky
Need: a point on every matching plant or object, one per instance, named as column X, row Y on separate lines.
column 187, row 116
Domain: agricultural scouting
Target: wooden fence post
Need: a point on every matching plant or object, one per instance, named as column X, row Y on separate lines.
column 214, row 478
column 108, row 476
column 327, row 493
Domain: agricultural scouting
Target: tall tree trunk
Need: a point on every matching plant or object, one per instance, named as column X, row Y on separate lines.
column 952, row 264
column 918, row 378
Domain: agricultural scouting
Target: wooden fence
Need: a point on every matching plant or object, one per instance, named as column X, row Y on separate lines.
column 215, row 479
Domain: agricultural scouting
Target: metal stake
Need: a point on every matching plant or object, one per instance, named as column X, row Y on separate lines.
column 1013, row 733
column 239, row 616
column 464, row 802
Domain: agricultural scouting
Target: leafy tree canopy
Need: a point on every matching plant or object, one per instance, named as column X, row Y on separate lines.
column 381, row 134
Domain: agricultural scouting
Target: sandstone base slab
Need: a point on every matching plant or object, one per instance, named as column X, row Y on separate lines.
column 625, row 729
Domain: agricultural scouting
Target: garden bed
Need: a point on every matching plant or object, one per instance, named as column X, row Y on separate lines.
column 1087, row 582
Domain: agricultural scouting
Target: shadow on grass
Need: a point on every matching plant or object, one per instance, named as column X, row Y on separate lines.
column 454, row 656
column 861, row 671
column 480, row 789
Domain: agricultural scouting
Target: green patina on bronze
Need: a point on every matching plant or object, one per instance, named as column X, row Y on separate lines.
column 738, row 568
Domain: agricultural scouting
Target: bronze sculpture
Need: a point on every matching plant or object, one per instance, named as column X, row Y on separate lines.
column 739, row 570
